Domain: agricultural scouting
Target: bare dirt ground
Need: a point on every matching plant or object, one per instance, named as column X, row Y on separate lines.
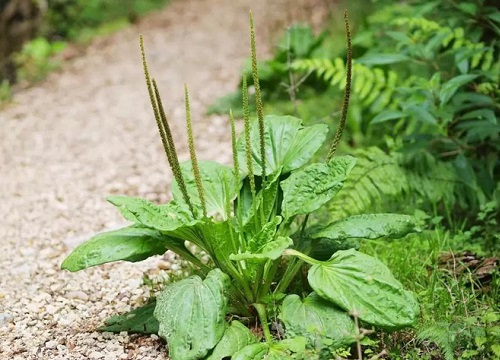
column 88, row 132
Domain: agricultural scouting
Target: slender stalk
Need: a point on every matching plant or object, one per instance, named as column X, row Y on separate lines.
column 192, row 153
column 262, row 313
column 347, row 92
column 258, row 101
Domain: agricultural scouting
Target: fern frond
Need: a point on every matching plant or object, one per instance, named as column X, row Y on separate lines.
column 441, row 335
column 379, row 177
column 372, row 86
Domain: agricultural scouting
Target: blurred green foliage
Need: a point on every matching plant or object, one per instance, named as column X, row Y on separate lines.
column 425, row 91
column 67, row 19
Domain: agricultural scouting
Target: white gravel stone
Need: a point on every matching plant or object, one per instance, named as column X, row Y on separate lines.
column 5, row 318
column 51, row 344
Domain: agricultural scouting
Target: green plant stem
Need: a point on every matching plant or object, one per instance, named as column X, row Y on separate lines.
column 269, row 274
column 290, row 272
column 262, row 313
column 258, row 277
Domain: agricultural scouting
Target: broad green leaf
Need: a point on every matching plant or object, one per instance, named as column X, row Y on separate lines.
column 364, row 286
column 173, row 218
column 296, row 344
column 191, row 314
column 449, row 88
column 307, row 142
column 372, row 226
column 235, row 338
column 213, row 175
column 381, row 59
column 320, row 248
column 288, row 144
column 317, row 320
column 387, row 115
column 252, row 352
column 221, row 241
column 324, row 248
column 167, row 217
column 307, row 189
column 272, row 250
column 140, row 320
column 129, row 244
column 265, row 235
column 265, row 204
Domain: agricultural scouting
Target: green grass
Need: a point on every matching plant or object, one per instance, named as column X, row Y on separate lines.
column 458, row 319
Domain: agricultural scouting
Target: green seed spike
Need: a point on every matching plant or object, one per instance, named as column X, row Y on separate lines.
column 248, row 143
column 154, row 103
column 192, row 153
column 235, row 150
column 173, row 159
column 258, row 99
column 347, row 92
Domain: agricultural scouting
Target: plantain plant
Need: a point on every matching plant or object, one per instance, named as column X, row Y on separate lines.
column 252, row 219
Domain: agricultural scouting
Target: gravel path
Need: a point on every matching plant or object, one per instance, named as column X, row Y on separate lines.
column 88, row 132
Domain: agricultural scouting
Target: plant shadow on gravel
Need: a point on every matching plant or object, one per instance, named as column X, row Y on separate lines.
column 306, row 286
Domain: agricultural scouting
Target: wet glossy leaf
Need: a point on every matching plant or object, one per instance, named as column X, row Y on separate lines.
column 364, row 286
column 371, row 226
column 317, row 320
column 235, row 338
column 140, row 320
column 129, row 244
column 307, row 189
column 191, row 314
column 289, row 145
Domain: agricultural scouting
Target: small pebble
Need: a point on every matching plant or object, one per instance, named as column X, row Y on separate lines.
column 78, row 295
column 52, row 344
column 5, row 318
